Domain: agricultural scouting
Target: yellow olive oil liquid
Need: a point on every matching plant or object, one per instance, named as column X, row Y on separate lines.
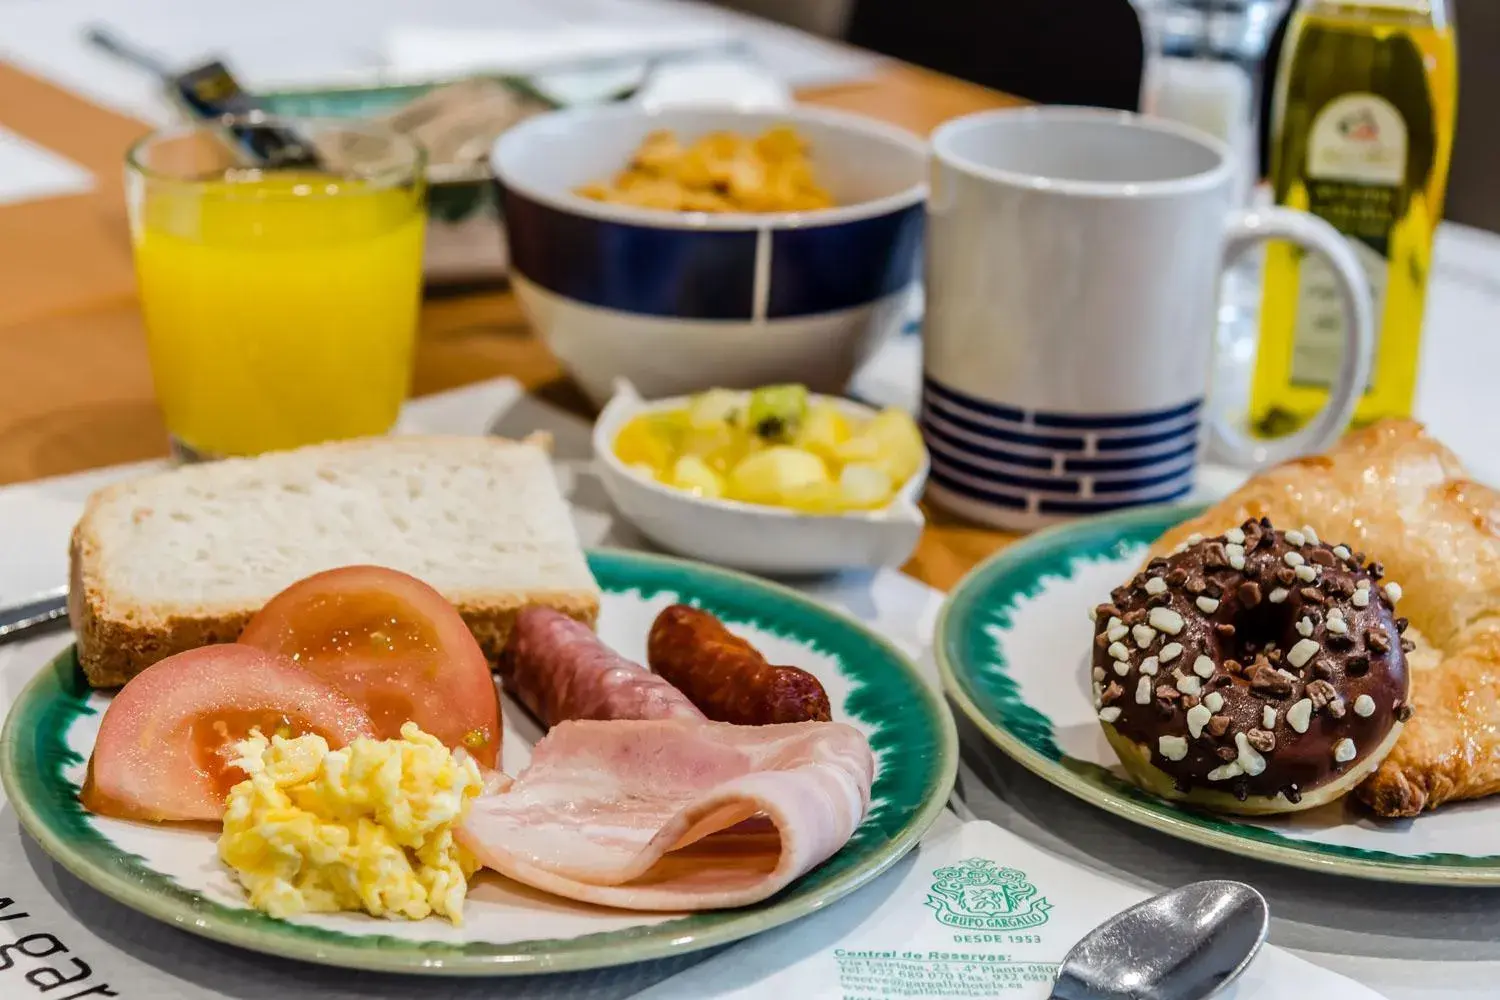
column 1363, row 131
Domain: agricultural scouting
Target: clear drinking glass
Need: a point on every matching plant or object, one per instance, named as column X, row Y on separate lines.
column 280, row 294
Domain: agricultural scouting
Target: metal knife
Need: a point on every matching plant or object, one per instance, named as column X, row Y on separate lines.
column 43, row 611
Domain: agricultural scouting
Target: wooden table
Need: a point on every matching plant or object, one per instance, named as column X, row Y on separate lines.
column 77, row 390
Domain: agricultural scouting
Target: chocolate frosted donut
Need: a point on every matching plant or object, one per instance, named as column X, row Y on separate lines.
column 1260, row 671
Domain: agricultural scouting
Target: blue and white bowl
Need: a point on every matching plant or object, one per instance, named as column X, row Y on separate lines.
column 678, row 302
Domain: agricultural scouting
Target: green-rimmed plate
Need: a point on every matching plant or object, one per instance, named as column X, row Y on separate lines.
column 1013, row 646
column 173, row 874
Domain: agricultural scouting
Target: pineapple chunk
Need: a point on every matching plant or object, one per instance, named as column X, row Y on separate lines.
column 864, row 486
column 647, row 441
column 816, row 498
column 824, row 430
column 900, row 442
column 770, row 476
column 862, row 447
column 715, row 408
column 694, row 475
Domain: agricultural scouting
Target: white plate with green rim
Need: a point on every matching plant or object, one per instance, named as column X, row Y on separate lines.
column 1013, row 646
column 172, row 873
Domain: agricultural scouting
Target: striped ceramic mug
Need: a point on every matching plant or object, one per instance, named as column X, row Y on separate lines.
column 1073, row 260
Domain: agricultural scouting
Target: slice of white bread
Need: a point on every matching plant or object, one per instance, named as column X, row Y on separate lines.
column 184, row 558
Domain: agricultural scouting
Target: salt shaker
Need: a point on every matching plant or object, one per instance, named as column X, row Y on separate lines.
column 1204, row 67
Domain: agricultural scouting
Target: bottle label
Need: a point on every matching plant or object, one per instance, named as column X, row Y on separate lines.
column 1356, row 164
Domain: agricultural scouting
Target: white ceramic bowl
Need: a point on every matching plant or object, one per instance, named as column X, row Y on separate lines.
column 677, row 302
column 754, row 537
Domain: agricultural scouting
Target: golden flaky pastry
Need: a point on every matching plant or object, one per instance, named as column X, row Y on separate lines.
column 1403, row 499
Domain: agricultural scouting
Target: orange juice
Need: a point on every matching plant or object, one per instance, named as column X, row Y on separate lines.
column 280, row 307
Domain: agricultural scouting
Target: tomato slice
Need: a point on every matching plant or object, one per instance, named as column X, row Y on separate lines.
column 166, row 740
column 395, row 646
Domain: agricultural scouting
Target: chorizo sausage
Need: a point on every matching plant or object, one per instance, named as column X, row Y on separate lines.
column 560, row 670
column 726, row 677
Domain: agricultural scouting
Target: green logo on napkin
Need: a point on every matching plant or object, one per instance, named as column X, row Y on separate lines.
column 979, row 894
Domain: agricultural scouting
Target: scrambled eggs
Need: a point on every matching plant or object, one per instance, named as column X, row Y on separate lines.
column 368, row 827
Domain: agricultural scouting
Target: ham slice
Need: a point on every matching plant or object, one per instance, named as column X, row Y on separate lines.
column 652, row 815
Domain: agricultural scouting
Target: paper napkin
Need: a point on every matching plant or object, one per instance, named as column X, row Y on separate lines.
column 420, row 52
column 975, row 911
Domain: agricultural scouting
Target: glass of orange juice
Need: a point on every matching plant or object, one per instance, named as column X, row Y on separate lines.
column 280, row 302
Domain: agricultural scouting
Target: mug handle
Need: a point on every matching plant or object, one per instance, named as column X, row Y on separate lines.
column 1247, row 228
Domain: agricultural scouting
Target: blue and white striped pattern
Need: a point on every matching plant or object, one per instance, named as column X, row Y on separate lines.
column 680, row 272
column 1058, row 463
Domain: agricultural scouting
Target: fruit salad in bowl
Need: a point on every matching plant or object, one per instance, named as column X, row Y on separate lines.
column 773, row 480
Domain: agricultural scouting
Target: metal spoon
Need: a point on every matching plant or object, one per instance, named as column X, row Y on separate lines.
column 1186, row 944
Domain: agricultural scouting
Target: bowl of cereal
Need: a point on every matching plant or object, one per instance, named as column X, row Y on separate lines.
column 684, row 248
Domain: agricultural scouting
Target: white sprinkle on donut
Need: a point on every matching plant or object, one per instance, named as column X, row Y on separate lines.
column 1109, row 714
column 1305, row 627
column 1144, row 635
column 1295, row 537
column 1235, row 536
column 1214, row 701
column 1172, row 747
column 1165, row 620
column 1190, row 686
column 1193, row 539
column 1268, row 717
column 1203, row 667
column 1122, row 667
column 1116, row 632
column 1293, row 559
column 1361, row 599
column 1170, row 652
column 1336, row 623
column 1252, row 762
column 1156, row 585
column 1197, row 718
column 1093, row 614
column 1149, row 666
column 1299, row 654
column 1207, row 605
column 1299, row 716
column 1226, row 771
column 1143, row 691
column 1343, row 750
column 1312, row 536
column 1393, row 591
column 1364, row 706
column 1307, row 574
column 1278, row 595
column 1342, row 551
column 1118, row 651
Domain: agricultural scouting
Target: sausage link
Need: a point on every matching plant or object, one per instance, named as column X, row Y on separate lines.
column 560, row 670
column 726, row 677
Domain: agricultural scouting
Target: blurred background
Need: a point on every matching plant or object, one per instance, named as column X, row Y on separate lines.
column 1018, row 46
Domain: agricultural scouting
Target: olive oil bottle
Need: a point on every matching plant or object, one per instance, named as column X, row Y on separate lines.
column 1363, row 132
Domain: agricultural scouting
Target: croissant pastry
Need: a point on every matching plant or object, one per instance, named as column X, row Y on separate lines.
column 1404, row 500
